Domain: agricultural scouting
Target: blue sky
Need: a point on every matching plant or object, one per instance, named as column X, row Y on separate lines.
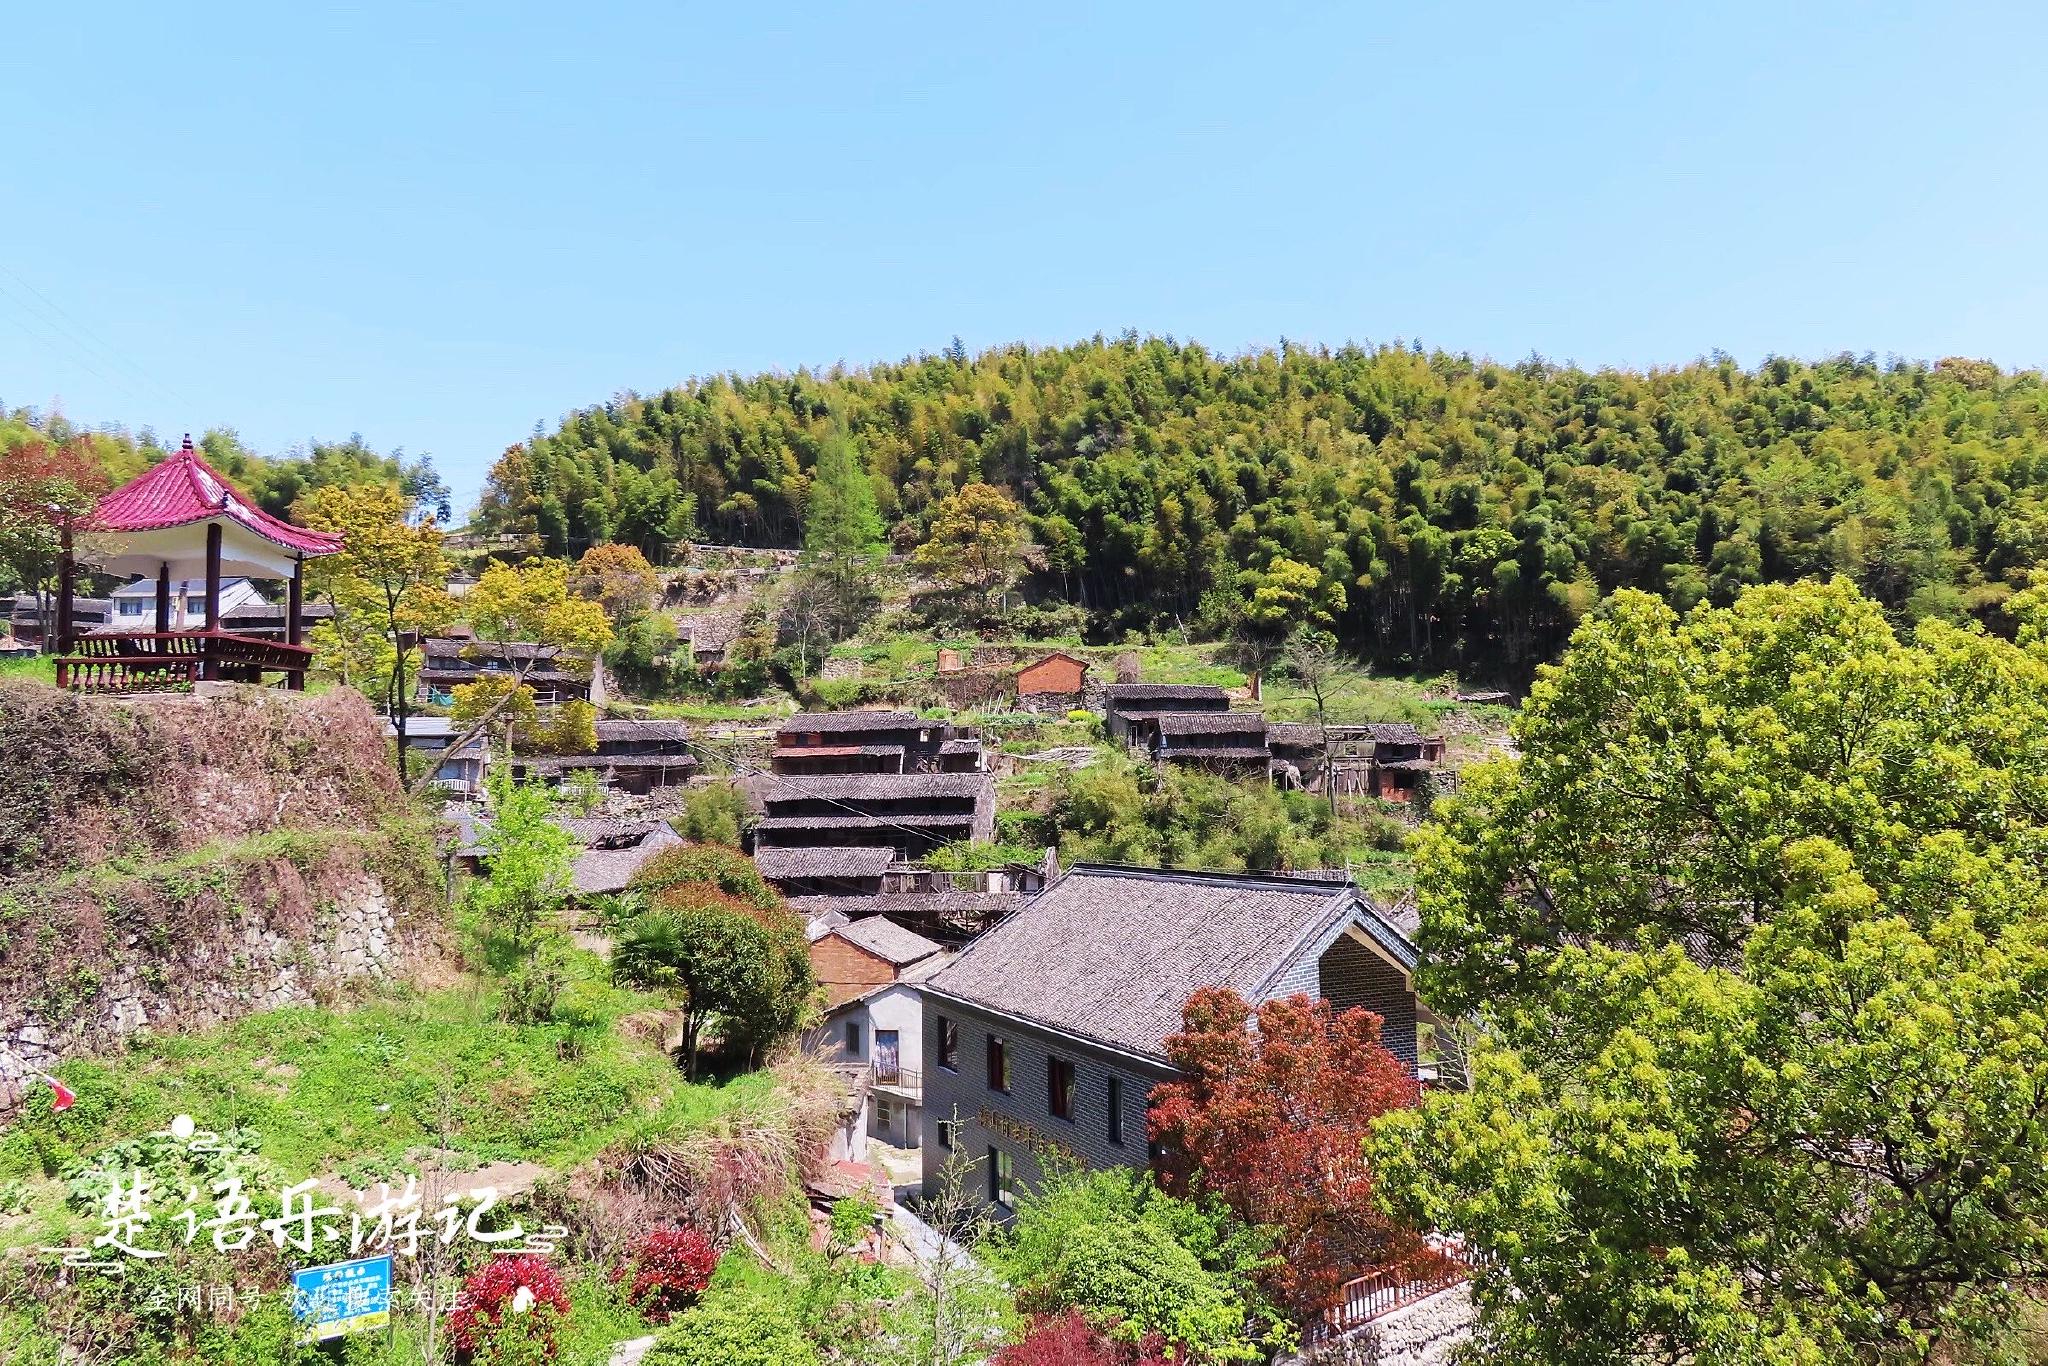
column 439, row 224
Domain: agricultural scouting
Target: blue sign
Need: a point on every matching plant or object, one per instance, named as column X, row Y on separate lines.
column 347, row 1297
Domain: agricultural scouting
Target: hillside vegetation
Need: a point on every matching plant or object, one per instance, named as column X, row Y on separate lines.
column 1465, row 513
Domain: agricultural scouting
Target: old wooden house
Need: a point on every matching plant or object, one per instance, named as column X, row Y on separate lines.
column 910, row 814
column 1232, row 742
column 632, row 755
column 1126, row 705
column 842, row 742
column 552, row 674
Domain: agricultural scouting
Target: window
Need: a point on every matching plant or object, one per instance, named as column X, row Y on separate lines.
column 1059, row 1088
column 885, row 1118
column 949, row 1044
column 998, row 1066
column 1114, row 1098
column 1002, row 1178
column 853, row 1038
column 949, row 1133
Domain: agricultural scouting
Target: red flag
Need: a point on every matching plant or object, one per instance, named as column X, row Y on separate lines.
column 63, row 1097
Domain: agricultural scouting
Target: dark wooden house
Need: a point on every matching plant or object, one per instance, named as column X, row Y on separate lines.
column 553, row 675
column 909, row 813
column 849, row 742
column 1127, row 704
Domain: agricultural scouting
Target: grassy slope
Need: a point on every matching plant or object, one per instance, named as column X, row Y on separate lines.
column 353, row 1092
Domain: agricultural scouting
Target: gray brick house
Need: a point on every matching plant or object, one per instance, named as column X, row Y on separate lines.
column 1049, row 1032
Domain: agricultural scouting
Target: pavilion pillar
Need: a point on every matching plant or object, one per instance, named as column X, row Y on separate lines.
column 67, row 586
column 163, row 599
column 210, row 661
column 294, row 604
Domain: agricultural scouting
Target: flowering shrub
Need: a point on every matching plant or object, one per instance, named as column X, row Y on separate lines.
column 506, row 1312
column 669, row 1271
column 1070, row 1340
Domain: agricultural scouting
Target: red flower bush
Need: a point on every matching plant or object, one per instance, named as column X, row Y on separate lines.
column 669, row 1271
column 1273, row 1121
column 487, row 1307
column 1070, row 1340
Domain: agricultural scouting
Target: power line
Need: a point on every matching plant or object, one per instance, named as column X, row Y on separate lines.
column 90, row 340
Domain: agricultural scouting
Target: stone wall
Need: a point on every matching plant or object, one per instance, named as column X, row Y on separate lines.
column 259, row 955
column 172, row 862
column 1429, row 1332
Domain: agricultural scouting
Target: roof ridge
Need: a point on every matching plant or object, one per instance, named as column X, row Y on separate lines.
column 1223, row 875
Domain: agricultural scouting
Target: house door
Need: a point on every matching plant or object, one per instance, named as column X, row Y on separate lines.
column 885, row 1055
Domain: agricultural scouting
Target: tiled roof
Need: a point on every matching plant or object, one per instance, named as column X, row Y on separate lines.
column 876, row 786
column 184, row 489
column 470, row 673
column 1163, row 692
column 471, row 649
column 910, row 903
column 1393, row 733
column 1197, row 753
column 969, row 746
column 565, row 763
column 600, row 830
column 826, row 722
column 849, row 860
column 1112, row 954
column 887, row 940
column 642, row 729
column 1210, row 722
column 914, row 820
column 611, row 869
column 1294, row 735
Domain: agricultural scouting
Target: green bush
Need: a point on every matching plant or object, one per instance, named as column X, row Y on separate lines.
column 1136, row 1260
column 733, row 1328
column 716, row 814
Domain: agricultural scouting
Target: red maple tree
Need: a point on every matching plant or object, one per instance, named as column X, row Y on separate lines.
column 1273, row 1122
column 1070, row 1340
column 45, row 489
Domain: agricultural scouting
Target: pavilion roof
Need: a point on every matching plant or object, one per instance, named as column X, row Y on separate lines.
column 184, row 489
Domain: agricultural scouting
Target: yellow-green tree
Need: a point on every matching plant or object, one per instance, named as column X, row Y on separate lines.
column 530, row 607
column 977, row 545
column 388, row 588
column 1754, row 934
column 618, row 578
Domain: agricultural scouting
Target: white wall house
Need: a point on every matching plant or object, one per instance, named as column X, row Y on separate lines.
column 885, row 1030
column 135, row 603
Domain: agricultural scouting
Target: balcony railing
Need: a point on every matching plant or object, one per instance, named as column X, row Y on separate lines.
column 1387, row 1288
column 166, row 661
column 901, row 1078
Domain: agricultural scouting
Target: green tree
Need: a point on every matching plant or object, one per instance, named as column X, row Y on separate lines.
column 387, row 588
column 619, row 579
column 46, row 491
column 726, row 961
column 511, row 910
column 1756, row 930
column 843, row 541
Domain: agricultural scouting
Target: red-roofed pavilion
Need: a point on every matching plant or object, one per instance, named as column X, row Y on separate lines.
column 181, row 520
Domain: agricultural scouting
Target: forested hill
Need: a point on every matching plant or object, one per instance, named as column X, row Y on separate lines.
column 1468, row 511
column 274, row 482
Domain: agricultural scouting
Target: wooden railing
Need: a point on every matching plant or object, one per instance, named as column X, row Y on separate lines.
column 159, row 661
column 1387, row 1288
